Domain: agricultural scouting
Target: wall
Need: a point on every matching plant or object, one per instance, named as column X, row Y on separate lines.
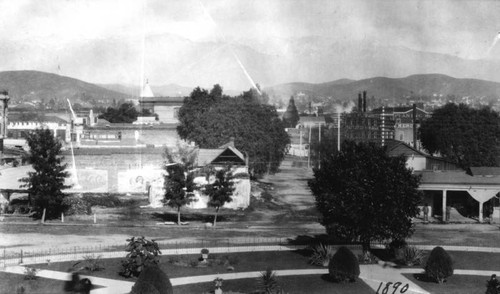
column 167, row 114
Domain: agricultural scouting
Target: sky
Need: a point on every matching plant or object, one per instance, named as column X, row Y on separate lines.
column 123, row 40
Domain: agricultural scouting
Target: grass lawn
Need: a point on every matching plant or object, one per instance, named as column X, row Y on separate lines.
column 10, row 282
column 475, row 260
column 242, row 262
column 291, row 284
column 456, row 284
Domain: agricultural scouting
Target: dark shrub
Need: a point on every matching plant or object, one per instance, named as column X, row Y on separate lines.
column 76, row 205
column 102, row 200
column 439, row 265
column 492, row 285
column 142, row 252
column 343, row 266
column 141, row 287
column 152, row 280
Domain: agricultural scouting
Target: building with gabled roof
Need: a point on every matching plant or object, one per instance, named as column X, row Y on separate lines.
column 167, row 108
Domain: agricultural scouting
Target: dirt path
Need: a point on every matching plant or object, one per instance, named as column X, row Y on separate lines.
column 290, row 186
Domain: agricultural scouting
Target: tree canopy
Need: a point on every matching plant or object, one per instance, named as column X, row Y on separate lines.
column 291, row 116
column 178, row 188
column 364, row 195
column 220, row 191
column 467, row 136
column 46, row 182
column 126, row 113
column 211, row 119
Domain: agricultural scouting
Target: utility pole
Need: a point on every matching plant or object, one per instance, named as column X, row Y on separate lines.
column 309, row 155
column 4, row 101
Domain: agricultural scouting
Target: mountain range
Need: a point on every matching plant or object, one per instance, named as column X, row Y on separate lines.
column 29, row 85
column 237, row 64
column 392, row 88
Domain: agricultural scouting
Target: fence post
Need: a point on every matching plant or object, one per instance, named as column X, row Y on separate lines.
column 21, row 261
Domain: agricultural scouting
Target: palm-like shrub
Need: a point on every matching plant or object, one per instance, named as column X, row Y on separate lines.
column 152, row 280
column 321, row 254
column 413, row 256
column 268, row 283
column 439, row 265
column 142, row 252
column 344, row 266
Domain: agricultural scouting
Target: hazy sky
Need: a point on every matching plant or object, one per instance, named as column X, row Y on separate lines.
column 41, row 34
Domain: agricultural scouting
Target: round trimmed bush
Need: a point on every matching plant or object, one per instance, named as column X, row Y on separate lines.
column 439, row 265
column 152, row 277
column 344, row 266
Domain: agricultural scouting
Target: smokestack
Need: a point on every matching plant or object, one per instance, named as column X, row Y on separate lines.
column 415, row 126
column 364, row 101
column 360, row 103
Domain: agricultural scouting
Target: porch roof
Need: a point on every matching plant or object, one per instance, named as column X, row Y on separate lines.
column 456, row 180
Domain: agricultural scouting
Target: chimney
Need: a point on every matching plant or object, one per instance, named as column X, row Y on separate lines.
column 364, row 101
column 360, row 103
column 415, row 126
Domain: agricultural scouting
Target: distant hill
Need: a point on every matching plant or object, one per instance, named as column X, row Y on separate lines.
column 169, row 90
column 391, row 88
column 35, row 85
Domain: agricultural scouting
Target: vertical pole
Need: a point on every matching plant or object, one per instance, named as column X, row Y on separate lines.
column 95, row 218
column 444, row 206
column 43, row 216
column 319, row 148
column 309, row 155
column 415, row 126
column 300, row 142
column 481, row 212
column 338, row 132
column 62, row 217
column 383, row 126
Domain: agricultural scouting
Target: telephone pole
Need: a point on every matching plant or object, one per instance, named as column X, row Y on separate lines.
column 4, row 101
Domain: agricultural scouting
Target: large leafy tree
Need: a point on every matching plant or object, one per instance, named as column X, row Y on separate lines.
column 126, row 113
column 46, row 183
column 291, row 115
column 211, row 119
column 467, row 136
column 365, row 195
column 178, row 187
column 220, row 191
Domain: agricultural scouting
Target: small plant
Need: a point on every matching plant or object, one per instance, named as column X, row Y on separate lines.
column 397, row 247
column 142, row 252
column 194, row 263
column 268, row 283
column 492, row 285
column 367, row 258
column 92, row 263
column 344, row 266
column 30, row 273
column 321, row 255
column 218, row 283
column 413, row 256
column 20, row 289
column 439, row 265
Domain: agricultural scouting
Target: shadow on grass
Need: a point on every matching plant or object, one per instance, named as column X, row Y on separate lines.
column 194, row 217
column 328, row 278
column 424, row 278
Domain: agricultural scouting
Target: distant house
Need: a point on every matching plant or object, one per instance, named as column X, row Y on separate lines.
column 416, row 159
column 225, row 155
column 311, row 122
